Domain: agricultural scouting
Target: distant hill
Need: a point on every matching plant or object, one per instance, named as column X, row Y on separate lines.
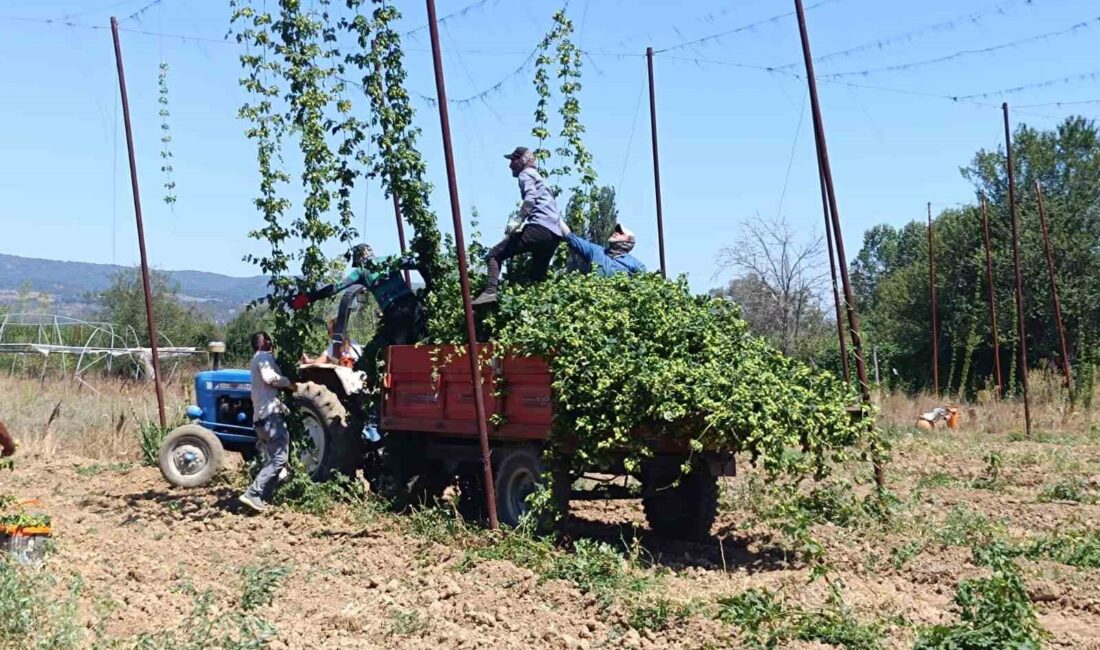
column 68, row 283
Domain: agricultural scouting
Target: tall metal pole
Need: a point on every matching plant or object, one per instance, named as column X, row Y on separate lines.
column 1054, row 290
column 656, row 160
column 935, row 320
column 992, row 300
column 1021, row 327
column 836, row 290
column 150, row 319
column 400, row 228
column 463, row 273
column 842, row 259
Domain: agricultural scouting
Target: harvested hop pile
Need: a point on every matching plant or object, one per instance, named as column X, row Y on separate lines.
column 643, row 352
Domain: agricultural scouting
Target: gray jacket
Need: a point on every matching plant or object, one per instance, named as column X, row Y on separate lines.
column 539, row 206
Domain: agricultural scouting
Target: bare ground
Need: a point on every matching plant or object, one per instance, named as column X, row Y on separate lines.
column 364, row 578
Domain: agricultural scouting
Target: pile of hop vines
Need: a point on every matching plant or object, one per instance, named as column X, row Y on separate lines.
column 644, row 353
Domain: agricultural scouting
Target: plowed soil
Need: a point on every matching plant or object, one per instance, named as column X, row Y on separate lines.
column 357, row 582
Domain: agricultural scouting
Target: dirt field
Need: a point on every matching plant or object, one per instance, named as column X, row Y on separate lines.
column 137, row 562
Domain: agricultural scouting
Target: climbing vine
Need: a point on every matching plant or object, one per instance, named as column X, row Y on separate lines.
column 165, row 135
column 574, row 159
column 398, row 165
column 291, row 82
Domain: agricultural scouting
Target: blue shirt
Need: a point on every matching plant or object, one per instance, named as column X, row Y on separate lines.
column 601, row 262
column 539, row 205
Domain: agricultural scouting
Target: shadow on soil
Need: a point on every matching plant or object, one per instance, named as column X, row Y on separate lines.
column 725, row 551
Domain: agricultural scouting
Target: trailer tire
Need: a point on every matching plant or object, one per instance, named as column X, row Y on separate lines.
column 686, row 511
column 334, row 431
column 517, row 476
column 408, row 480
column 190, row 456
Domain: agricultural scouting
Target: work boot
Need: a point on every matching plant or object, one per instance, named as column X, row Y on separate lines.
column 254, row 503
column 487, row 297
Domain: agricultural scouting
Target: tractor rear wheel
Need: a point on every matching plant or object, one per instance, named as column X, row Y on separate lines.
column 334, row 433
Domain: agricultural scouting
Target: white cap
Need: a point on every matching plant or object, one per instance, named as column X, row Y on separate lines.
column 629, row 234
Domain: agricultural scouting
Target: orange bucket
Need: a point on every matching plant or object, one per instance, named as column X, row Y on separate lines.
column 952, row 417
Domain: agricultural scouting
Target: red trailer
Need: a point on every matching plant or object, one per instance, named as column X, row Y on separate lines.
column 428, row 417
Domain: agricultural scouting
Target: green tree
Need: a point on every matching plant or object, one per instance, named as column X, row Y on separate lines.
column 603, row 214
column 238, row 332
column 890, row 273
column 123, row 303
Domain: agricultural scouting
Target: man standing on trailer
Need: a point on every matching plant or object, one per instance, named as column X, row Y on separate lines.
column 268, row 417
column 537, row 230
column 611, row 259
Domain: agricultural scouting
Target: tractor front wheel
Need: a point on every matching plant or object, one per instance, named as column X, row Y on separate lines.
column 190, row 456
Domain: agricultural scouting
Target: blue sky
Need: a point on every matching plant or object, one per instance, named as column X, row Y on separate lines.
column 728, row 134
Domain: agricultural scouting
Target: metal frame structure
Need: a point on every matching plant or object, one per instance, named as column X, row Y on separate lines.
column 94, row 344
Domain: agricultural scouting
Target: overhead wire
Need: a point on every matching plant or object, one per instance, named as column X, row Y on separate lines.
column 1074, row 103
column 1086, row 76
column 630, row 140
column 790, row 161
column 742, row 28
column 699, row 61
column 461, row 12
column 967, row 99
column 77, row 14
column 905, row 37
column 137, row 14
column 1072, row 29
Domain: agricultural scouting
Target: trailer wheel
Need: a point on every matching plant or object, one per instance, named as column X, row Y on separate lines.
column 190, row 456
column 686, row 511
column 514, row 479
column 408, row 480
column 333, row 431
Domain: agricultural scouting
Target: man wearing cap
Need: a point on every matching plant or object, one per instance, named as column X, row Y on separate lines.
column 538, row 229
column 403, row 319
column 612, row 259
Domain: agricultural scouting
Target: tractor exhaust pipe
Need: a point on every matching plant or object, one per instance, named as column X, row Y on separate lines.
column 216, row 350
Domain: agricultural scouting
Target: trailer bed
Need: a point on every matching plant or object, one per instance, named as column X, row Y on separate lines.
column 427, row 389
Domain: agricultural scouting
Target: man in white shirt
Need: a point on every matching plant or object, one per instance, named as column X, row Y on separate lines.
column 268, row 419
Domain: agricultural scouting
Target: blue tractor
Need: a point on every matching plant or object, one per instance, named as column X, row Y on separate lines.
column 330, row 398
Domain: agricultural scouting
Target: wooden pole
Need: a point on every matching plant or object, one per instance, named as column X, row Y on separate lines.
column 838, row 234
column 1021, row 327
column 830, row 245
column 1054, row 290
column 935, row 320
column 463, row 272
column 656, row 161
column 150, row 319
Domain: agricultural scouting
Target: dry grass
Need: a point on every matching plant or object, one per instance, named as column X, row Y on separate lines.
column 60, row 415
column 1049, row 410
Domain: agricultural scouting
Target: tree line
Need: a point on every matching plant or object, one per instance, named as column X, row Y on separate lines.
column 782, row 283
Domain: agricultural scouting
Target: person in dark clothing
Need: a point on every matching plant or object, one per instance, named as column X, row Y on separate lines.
column 403, row 320
column 536, row 230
